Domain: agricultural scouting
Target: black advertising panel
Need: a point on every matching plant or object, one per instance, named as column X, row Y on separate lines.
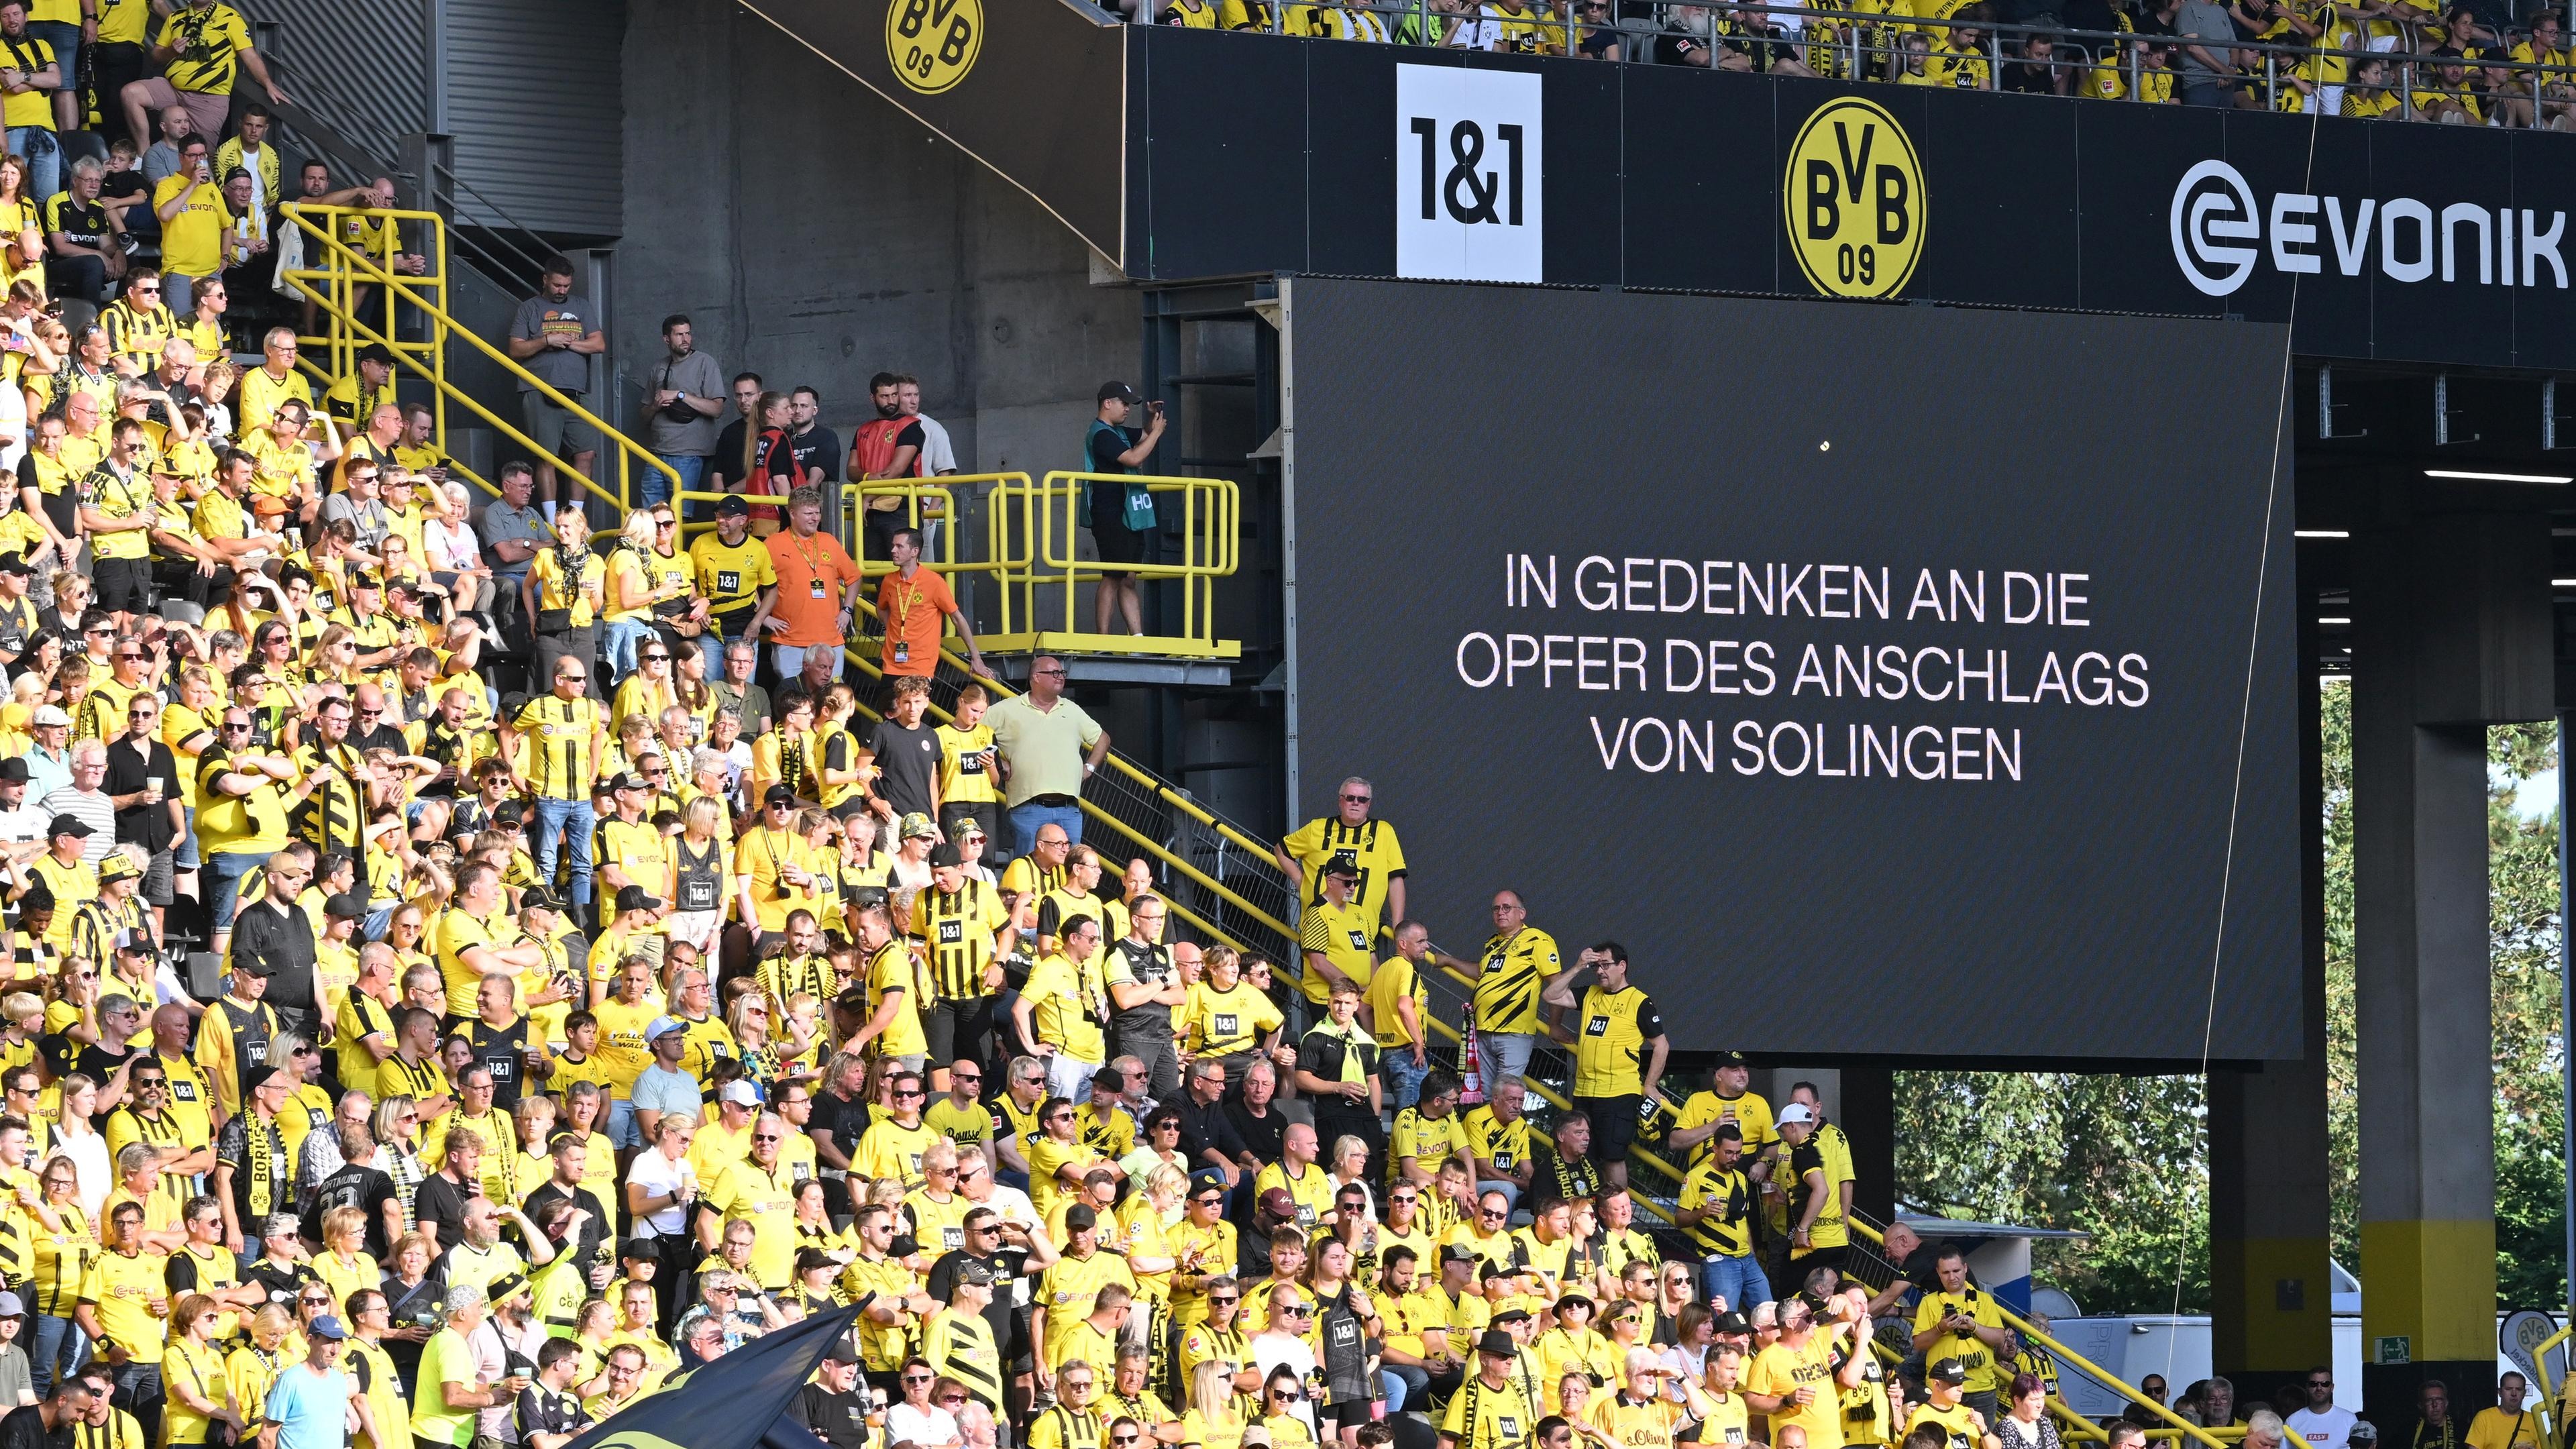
column 978, row 71
column 2435, row 244
column 1848, row 722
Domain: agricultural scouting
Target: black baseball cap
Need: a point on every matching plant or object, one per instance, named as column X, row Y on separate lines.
column 636, row 898
column 14, row 768
column 1120, row 391
column 71, row 825
column 946, row 855
column 778, row 795
column 733, row 508
column 538, row 898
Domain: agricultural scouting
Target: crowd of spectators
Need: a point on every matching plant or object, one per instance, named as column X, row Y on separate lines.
column 2453, row 61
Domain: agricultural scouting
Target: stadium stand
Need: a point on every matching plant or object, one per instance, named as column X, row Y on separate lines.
column 440, row 928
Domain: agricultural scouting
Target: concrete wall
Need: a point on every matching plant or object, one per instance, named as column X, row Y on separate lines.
column 816, row 234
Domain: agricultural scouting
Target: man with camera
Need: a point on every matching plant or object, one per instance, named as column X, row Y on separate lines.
column 1122, row 516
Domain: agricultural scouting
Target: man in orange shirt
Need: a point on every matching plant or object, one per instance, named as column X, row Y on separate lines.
column 813, row 571
column 910, row 603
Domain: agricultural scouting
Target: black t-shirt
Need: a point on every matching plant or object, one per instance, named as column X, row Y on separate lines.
column 2029, row 78
column 441, row 1203
column 355, row 1185
column 817, row 447
column 594, row 1229
column 840, row 1420
column 1262, row 1136
column 1206, row 1127
column 502, row 1051
column 727, row 460
column 24, row 1428
column 280, row 1281
column 543, row 1411
column 129, row 770
column 1106, row 443
column 907, row 759
column 1008, row 1265
column 845, row 1120
column 1674, row 47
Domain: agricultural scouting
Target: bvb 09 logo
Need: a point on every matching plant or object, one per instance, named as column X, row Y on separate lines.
column 1853, row 199
column 933, row 43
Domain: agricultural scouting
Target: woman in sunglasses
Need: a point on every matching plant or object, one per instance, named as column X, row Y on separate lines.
column 1284, row 1410
column 1212, row 1421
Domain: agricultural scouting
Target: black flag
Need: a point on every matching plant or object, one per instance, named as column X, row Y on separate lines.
column 732, row 1403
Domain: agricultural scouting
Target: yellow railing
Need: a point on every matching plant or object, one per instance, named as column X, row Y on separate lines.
column 1030, row 537
column 334, row 272
column 2174, row 1423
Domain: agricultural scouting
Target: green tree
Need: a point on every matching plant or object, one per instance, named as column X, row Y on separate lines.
column 2126, row 1158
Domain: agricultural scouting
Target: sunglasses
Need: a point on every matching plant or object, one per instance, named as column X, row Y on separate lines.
column 946, row 1399
column 916, row 1378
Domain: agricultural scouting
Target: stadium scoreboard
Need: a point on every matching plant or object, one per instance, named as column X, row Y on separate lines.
column 1890, row 680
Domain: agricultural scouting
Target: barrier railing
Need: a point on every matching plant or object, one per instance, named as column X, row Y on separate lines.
column 344, row 266
column 1031, row 531
column 2173, row 1423
column 1860, row 45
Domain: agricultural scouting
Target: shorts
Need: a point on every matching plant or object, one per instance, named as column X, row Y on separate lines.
column 556, row 430
column 695, row 928
column 1344, row 1416
column 156, row 877
column 124, row 585
column 950, row 1025
column 1614, row 1124
column 210, row 114
column 1118, row 543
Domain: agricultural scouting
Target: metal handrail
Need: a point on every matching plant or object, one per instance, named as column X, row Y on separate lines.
column 1030, row 532
column 1861, row 1224
column 367, row 269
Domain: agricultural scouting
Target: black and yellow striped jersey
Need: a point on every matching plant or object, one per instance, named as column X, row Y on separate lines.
column 1610, row 1036
column 1370, row 845
column 960, row 930
column 1727, row 1196
column 568, row 736
column 333, row 816
column 1061, row 907
column 1516, row 968
column 1025, row 875
column 1342, row 935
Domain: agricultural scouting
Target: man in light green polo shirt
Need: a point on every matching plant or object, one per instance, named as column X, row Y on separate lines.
column 1042, row 738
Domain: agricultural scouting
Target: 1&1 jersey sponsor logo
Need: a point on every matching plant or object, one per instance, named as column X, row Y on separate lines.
column 1853, row 199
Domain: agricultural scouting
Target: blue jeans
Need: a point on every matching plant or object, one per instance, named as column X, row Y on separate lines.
column 1738, row 1280
column 58, row 1340
column 187, row 858
column 621, row 1125
column 657, row 489
column 1028, row 818
column 44, row 153
column 1404, row 1079
column 1404, row 1384
column 1391, row 1387
column 623, row 636
column 222, row 885
column 553, row 816
column 138, row 1392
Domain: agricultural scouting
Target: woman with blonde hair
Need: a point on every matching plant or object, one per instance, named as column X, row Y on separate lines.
column 631, row 593
column 21, row 224
column 1213, row 1421
column 344, row 1264
column 564, row 592
column 701, row 867
column 398, row 1147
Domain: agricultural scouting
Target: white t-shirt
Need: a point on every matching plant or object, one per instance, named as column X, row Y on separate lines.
column 659, row 1175
column 2328, row 1430
column 925, row 1427
column 1274, row 1351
